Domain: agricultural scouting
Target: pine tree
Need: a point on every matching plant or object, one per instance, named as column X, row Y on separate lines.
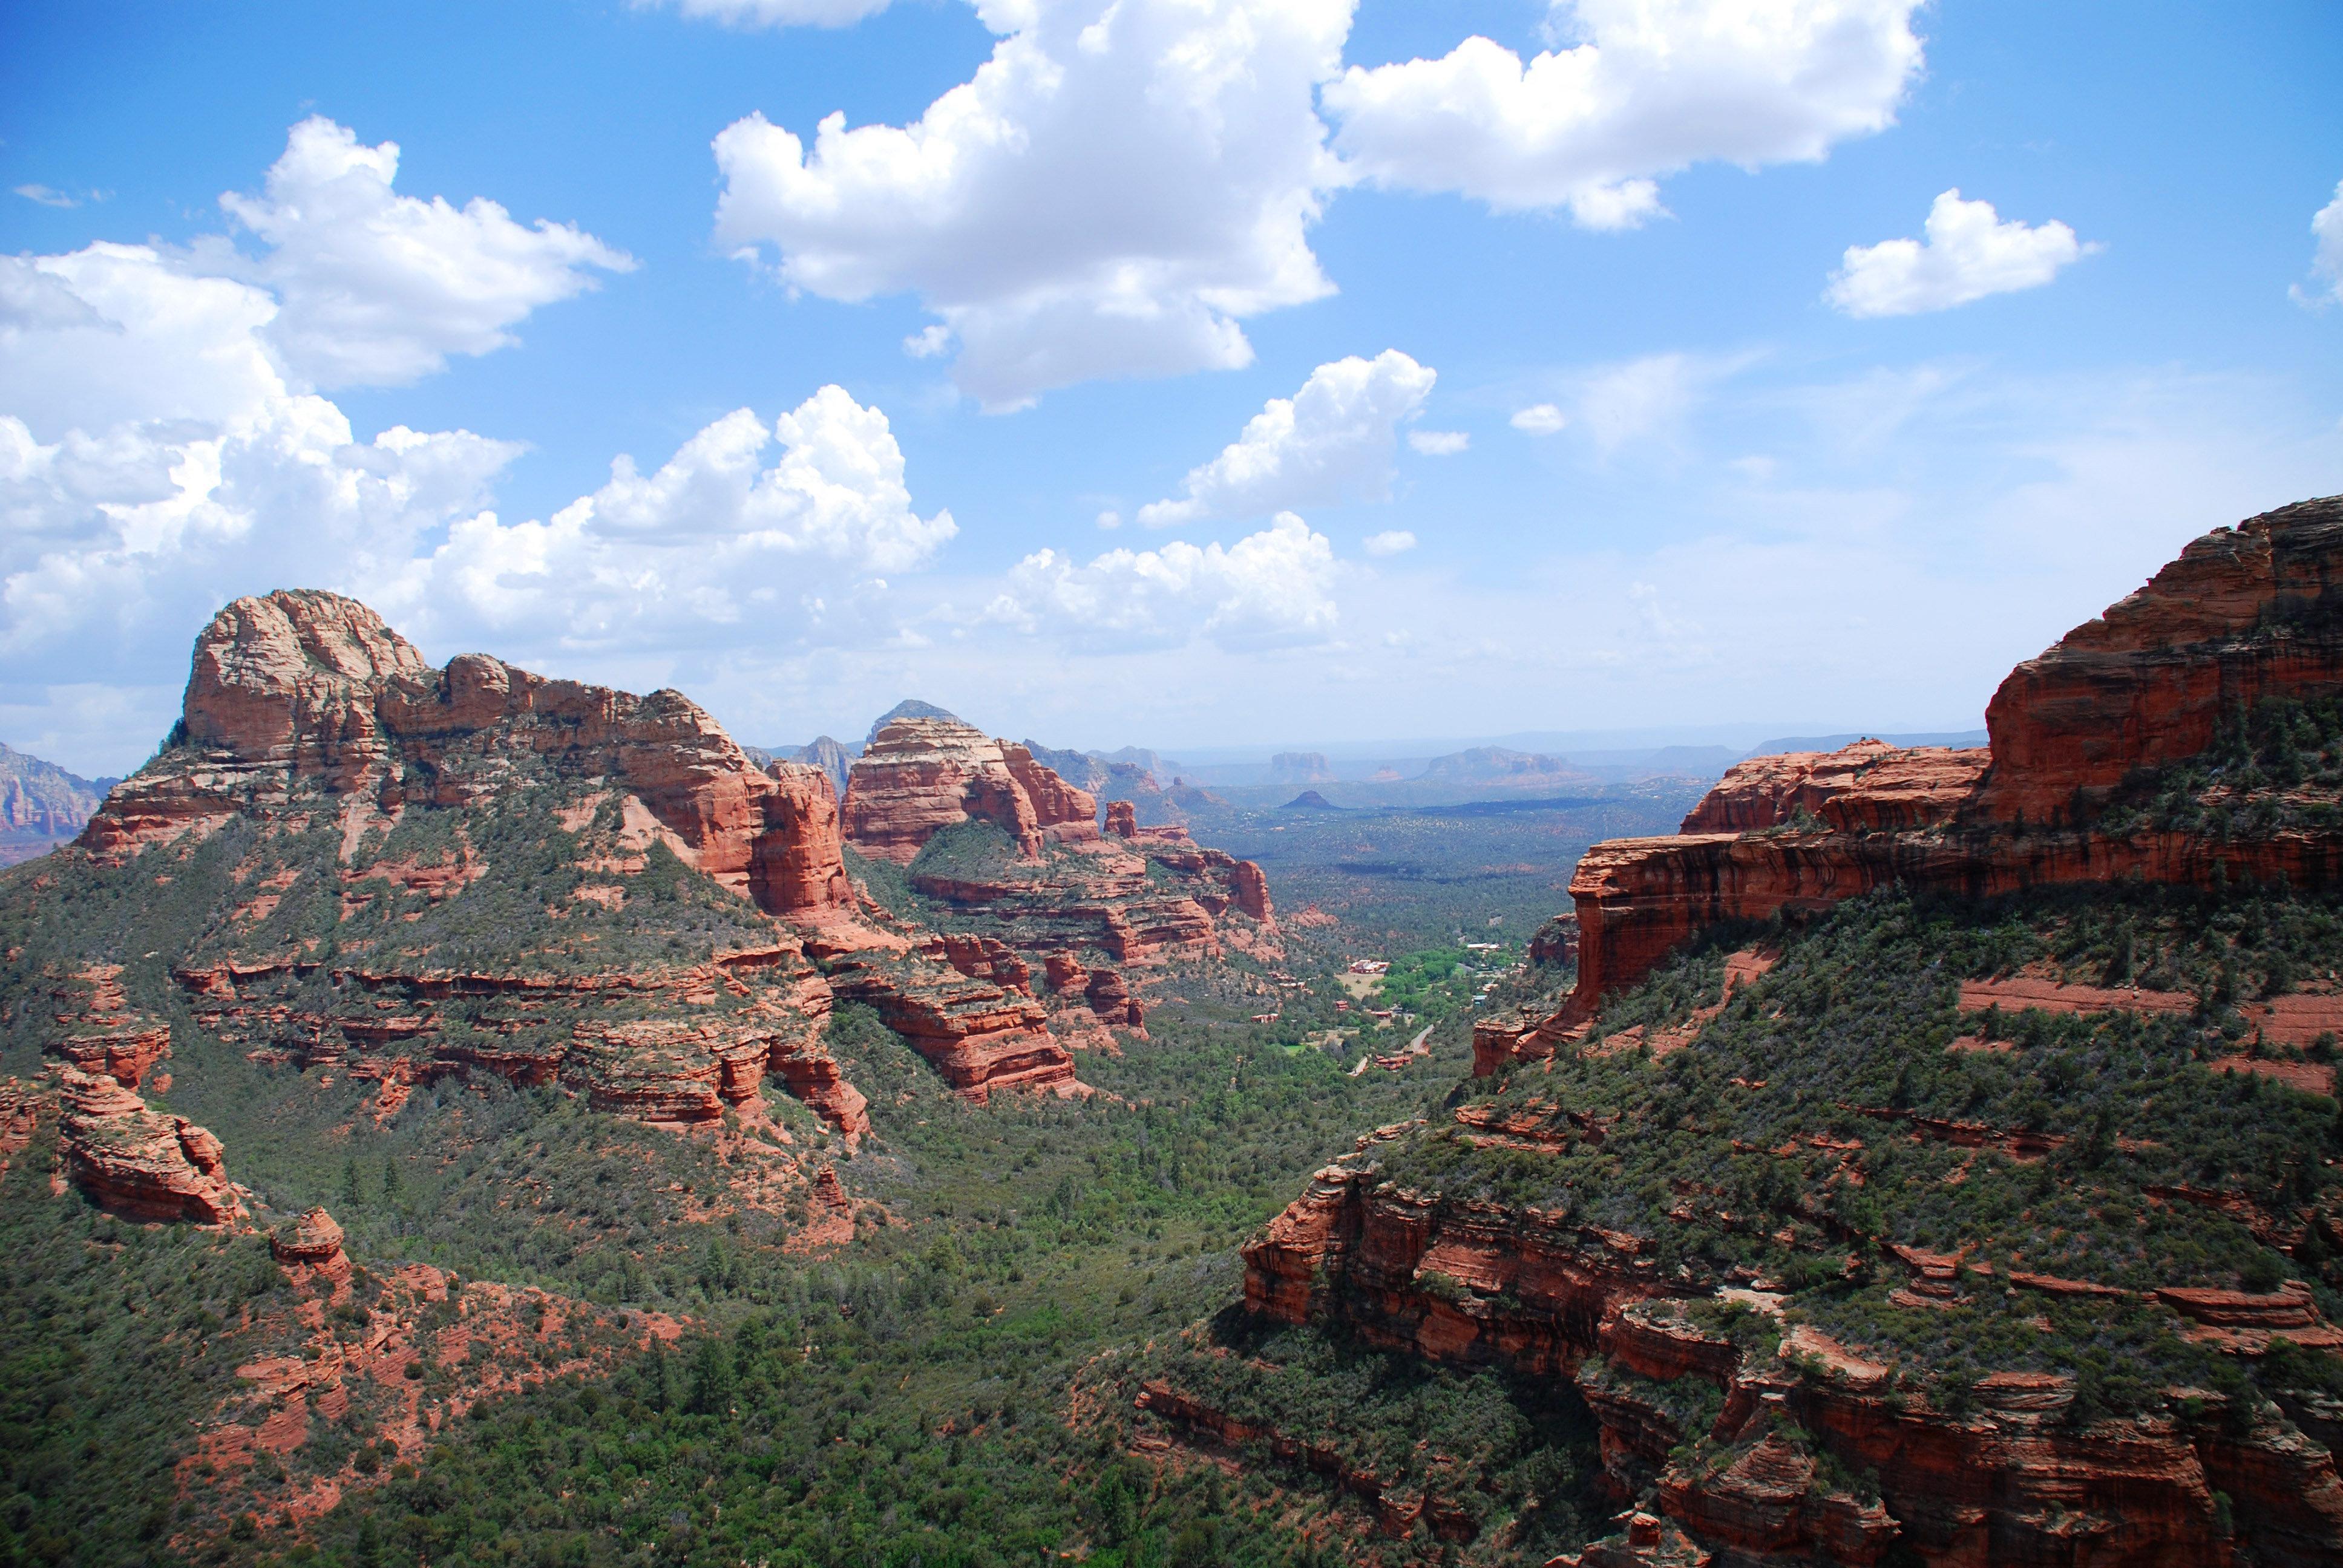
column 352, row 1194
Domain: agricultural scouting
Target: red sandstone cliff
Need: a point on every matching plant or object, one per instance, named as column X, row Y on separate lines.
column 1477, row 1284
column 920, row 775
column 2244, row 614
column 300, row 690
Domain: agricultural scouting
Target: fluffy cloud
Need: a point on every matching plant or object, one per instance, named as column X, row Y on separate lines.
column 1438, row 443
column 1117, row 187
column 1651, row 87
column 712, row 539
column 1540, row 419
column 1331, row 441
column 159, row 455
column 774, row 12
column 1273, row 588
column 1390, row 542
column 376, row 288
column 1968, row 254
column 2327, row 263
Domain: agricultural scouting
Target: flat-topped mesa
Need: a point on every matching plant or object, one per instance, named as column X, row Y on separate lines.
column 300, row 691
column 2243, row 615
column 921, row 775
column 1868, row 787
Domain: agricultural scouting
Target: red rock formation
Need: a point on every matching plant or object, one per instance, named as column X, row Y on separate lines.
column 1065, row 971
column 920, row 775
column 1868, row 786
column 2242, row 615
column 680, row 1065
column 987, row 958
column 1470, row 1283
column 1122, row 818
column 1465, row 1283
column 306, row 691
column 310, row 1246
column 135, row 1161
column 1110, row 999
column 99, row 1033
column 979, row 1035
column 20, row 1117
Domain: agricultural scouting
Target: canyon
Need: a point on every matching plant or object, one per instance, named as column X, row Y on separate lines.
column 375, row 799
column 1575, row 1212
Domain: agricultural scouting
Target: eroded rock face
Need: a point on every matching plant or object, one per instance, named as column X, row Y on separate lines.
column 1475, row 1284
column 136, row 1161
column 98, row 1031
column 919, row 776
column 300, row 690
column 2244, row 614
column 980, row 1035
column 310, row 1246
column 401, row 1026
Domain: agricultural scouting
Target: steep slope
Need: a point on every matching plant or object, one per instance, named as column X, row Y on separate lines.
column 1937, row 1158
column 2084, row 742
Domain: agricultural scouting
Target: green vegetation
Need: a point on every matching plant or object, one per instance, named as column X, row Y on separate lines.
column 1792, row 1141
column 1408, row 877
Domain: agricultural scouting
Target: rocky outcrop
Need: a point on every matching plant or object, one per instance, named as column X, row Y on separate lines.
column 1868, row 786
column 137, row 1161
column 310, row 1248
column 919, row 775
column 2014, row 1480
column 1461, row 1283
column 98, row 1031
column 980, row 1036
column 2244, row 614
column 1109, row 998
column 683, row 1063
column 303, row 691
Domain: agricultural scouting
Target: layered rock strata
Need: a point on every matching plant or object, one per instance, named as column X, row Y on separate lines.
column 137, row 1161
column 2243, row 615
column 919, row 775
column 310, row 1248
column 300, row 690
column 657, row 1046
column 2016, row 1479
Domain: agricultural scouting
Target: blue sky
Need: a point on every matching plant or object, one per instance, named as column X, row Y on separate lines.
column 1714, row 470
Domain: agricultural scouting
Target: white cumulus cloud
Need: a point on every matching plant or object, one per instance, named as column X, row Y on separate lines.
column 1269, row 589
column 1540, row 419
column 158, row 457
column 1333, row 440
column 1438, row 443
column 1968, row 254
column 2327, row 263
column 1649, row 86
column 1111, row 193
column 713, row 533
column 375, row 288
column 773, row 13
column 1390, row 542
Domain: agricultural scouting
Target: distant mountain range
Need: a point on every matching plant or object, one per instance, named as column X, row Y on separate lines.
column 42, row 805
